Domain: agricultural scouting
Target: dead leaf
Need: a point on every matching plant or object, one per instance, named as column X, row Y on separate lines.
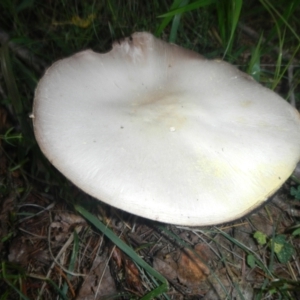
column 132, row 276
column 19, row 251
column 99, row 282
column 191, row 267
column 166, row 266
column 68, row 218
column 117, row 257
column 64, row 223
column 125, row 270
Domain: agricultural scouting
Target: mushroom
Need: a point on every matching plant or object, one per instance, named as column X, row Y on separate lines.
column 161, row 132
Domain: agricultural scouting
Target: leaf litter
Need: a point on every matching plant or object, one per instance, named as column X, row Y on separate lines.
column 206, row 265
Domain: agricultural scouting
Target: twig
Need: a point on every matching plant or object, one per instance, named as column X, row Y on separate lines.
column 55, row 259
column 66, row 279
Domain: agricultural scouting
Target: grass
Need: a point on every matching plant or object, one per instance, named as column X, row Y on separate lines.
column 129, row 251
column 36, row 33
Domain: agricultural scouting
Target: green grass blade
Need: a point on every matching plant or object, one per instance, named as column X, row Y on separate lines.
column 187, row 7
column 129, row 251
column 233, row 15
column 283, row 17
column 177, row 9
column 254, row 64
column 247, row 250
column 7, row 279
column 10, row 82
column 21, row 295
column 72, row 263
column 175, row 23
column 57, row 289
column 164, row 23
column 281, row 20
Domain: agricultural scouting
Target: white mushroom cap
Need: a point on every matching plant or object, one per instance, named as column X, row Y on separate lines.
column 161, row 132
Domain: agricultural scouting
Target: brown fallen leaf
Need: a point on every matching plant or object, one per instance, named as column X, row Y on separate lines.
column 68, row 218
column 125, row 270
column 117, row 257
column 19, row 251
column 186, row 266
column 191, row 267
column 132, row 276
column 166, row 265
column 64, row 223
column 99, row 282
